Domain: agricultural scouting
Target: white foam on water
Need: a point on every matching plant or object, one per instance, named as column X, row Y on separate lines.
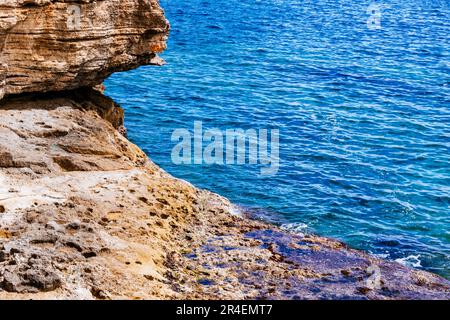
column 410, row 261
column 236, row 211
column 380, row 255
column 296, row 227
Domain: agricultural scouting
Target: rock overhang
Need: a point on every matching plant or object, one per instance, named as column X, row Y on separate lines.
column 57, row 45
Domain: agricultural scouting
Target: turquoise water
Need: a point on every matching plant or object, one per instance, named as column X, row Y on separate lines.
column 363, row 114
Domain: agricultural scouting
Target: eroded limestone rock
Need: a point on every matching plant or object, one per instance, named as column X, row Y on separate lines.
column 84, row 214
column 50, row 45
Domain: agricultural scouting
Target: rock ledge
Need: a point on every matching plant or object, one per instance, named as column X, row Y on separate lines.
column 84, row 214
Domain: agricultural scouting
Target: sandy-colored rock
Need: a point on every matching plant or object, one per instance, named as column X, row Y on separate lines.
column 85, row 214
column 50, row 45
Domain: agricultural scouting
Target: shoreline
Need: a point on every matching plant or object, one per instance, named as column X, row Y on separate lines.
column 301, row 229
column 84, row 212
column 93, row 209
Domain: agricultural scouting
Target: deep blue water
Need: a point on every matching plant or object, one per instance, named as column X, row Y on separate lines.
column 364, row 114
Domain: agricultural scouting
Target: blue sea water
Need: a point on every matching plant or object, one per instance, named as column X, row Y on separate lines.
column 363, row 114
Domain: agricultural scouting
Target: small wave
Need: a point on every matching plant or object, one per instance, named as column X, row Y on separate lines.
column 380, row 255
column 410, row 261
column 237, row 211
column 214, row 27
column 296, row 227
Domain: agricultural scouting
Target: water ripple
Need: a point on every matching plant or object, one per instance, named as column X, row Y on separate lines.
column 364, row 115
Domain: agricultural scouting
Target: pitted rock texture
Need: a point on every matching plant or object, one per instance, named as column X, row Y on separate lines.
column 55, row 45
column 84, row 214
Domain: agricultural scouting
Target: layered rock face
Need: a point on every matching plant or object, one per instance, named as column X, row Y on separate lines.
column 54, row 45
column 85, row 214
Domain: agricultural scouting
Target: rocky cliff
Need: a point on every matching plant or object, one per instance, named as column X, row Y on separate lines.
column 53, row 45
column 85, row 214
